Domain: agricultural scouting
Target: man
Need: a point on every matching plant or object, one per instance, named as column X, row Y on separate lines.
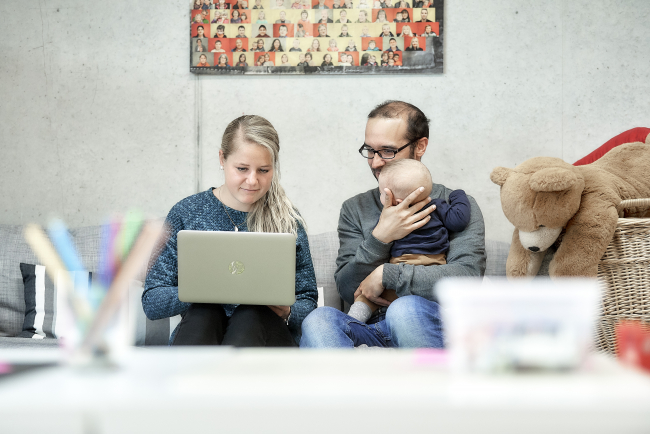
column 425, row 14
column 283, row 18
column 262, row 32
column 385, row 31
column 242, row 32
column 283, row 31
column 324, row 17
column 239, row 47
column 296, row 46
column 394, row 130
column 321, row 5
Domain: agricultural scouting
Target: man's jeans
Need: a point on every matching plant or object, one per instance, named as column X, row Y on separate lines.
column 410, row 322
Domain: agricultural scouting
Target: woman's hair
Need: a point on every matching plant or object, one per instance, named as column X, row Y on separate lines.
column 326, row 56
column 304, row 12
column 364, row 58
column 284, row 56
column 317, row 42
column 279, row 48
column 310, row 56
column 381, row 11
column 405, row 15
column 203, row 55
column 221, row 57
column 235, row 12
column 244, row 16
column 274, row 212
column 409, row 29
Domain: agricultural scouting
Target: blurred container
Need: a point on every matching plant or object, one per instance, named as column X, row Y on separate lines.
column 501, row 325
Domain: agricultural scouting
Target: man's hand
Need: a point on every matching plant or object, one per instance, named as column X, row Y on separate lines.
column 371, row 287
column 397, row 221
column 281, row 311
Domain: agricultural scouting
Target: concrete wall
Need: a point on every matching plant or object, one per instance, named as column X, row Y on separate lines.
column 98, row 112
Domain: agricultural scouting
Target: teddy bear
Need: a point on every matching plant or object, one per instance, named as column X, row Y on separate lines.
column 576, row 208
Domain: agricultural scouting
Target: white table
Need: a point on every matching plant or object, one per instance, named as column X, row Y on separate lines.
column 284, row 391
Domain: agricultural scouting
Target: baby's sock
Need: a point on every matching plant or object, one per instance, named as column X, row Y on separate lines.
column 360, row 311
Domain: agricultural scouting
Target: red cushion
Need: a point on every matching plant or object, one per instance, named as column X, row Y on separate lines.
column 638, row 134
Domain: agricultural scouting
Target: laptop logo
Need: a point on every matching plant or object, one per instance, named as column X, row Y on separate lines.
column 236, row 267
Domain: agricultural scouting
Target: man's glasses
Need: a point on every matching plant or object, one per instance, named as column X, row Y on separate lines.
column 385, row 154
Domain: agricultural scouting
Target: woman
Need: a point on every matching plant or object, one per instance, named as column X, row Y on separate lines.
column 327, row 60
column 261, row 18
column 300, row 33
column 251, row 199
column 235, row 17
column 197, row 4
column 260, row 45
column 260, row 61
column 384, row 58
column 276, row 46
column 223, row 61
column 310, row 59
column 267, row 60
column 203, row 61
column 402, row 4
column 285, row 60
column 332, row 45
column 242, row 60
column 381, row 16
column 406, row 17
column 406, row 31
column 199, row 46
column 315, row 46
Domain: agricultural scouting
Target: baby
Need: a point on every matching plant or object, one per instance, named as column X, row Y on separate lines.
column 427, row 245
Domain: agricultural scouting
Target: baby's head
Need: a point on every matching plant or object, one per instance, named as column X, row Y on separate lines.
column 402, row 177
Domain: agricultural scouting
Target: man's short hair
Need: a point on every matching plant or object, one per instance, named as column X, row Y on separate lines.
column 417, row 122
column 241, row 27
column 283, row 26
column 262, row 26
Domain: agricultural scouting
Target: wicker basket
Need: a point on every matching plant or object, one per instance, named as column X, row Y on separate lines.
column 624, row 271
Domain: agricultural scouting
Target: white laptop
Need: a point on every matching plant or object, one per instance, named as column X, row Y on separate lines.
column 236, row 267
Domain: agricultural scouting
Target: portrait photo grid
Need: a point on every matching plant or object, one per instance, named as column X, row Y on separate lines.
column 315, row 36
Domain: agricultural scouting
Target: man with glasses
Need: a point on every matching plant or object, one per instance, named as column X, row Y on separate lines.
column 367, row 230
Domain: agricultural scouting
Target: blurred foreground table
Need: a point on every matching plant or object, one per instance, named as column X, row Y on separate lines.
column 171, row 390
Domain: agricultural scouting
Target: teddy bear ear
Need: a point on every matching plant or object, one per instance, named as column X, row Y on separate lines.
column 499, row 175
column 552, row 179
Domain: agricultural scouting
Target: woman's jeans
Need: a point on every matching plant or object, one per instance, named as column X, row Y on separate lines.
column 409, row 322
column 249, row 326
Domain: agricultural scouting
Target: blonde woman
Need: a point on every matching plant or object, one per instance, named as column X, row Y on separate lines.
column 250, row 199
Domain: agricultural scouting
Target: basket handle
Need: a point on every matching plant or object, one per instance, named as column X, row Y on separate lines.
column 641, row 204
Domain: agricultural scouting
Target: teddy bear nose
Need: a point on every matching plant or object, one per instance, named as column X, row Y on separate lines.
column 534, row 249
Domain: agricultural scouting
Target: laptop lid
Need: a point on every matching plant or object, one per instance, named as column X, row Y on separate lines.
column 236, row 267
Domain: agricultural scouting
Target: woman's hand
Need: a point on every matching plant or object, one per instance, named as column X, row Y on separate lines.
column 397, row 221
column 282, row 311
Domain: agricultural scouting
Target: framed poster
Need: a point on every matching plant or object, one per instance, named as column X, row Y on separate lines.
column 338, row 37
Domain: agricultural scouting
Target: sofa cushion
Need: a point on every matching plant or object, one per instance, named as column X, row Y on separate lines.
column 324, row 248
column 497, row 254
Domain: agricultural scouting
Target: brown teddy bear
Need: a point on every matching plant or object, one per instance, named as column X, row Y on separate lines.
column 544, row 197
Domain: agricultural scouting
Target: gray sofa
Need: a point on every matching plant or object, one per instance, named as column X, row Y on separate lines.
column 14, row 250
